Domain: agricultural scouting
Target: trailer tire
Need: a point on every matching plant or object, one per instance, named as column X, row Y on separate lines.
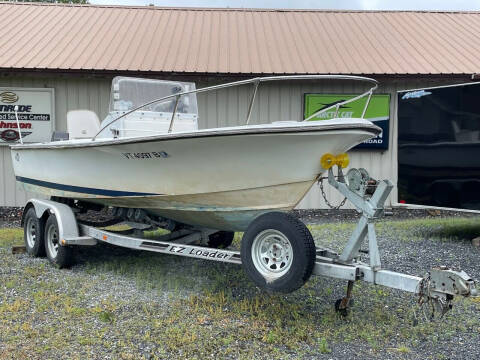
column 221, row 239
column 33, row 233
column 278, row 252
column 59, row 255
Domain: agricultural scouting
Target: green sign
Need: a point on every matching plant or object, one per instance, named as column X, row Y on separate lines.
column 378, row 112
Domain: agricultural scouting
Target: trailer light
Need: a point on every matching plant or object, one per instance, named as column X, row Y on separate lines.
column 63, row 242
column 327, row 161
column 104, row 237
column 342, row 160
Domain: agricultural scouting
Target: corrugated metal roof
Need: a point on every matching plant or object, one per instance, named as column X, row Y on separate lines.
column 237, row 41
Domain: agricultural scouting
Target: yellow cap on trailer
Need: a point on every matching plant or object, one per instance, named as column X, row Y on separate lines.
column 327, row 161
column 342, row 160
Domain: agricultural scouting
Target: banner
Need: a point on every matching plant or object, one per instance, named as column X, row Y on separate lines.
column 36, row 119
column 378, row 112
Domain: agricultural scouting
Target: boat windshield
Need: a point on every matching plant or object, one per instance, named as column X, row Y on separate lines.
column 129, row 93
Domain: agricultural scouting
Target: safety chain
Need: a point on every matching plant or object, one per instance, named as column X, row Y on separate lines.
column 425, row 299
column 424, row 289
column 320, row 182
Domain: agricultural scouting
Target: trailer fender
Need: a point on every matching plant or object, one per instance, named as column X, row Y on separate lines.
column 67, row 224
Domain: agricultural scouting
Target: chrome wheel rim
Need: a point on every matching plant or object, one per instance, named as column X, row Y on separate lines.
column 272, row 254
column 52, row 241
column 31, row 232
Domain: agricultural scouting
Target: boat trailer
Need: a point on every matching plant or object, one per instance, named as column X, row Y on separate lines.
column 438, row 287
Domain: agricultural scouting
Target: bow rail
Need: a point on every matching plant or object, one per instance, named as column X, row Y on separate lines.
column 256, row 82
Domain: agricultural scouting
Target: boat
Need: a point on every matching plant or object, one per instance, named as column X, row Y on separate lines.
column 149, row 154
column 150, row 162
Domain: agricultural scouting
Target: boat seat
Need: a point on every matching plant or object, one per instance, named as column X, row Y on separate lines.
column 59, row 136
column 82, row 124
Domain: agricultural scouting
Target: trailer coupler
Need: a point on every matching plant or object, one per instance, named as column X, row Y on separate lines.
column 440, row 285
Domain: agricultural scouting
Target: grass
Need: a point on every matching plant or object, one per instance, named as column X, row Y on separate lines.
column 441, row 229
column 128, row 305
column 11, row 237
column 323, row 346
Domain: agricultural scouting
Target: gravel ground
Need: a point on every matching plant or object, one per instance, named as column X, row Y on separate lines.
column 316, row 216
column 117, row 303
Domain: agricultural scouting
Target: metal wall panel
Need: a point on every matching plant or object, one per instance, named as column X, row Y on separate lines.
column 276, row 101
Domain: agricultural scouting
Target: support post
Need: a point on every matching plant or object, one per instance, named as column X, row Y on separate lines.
column 343, row 304
column 250, row 106
column 373, row 252
column 18, row 124
column 355, row 241
column 336, row 110
column 177, row 98
column 366, row 104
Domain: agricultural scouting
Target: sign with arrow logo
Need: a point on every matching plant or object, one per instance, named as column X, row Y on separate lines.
column 378, row 112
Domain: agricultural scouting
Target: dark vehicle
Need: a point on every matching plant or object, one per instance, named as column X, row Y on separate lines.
column 439, row 146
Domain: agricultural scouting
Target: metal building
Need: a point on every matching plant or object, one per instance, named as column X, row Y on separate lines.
column 76, row 50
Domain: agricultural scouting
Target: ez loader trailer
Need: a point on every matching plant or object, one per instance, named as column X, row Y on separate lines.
column 266, row 250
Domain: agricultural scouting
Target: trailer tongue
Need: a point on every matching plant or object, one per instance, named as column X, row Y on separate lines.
column 272, row 262
column 438, row 286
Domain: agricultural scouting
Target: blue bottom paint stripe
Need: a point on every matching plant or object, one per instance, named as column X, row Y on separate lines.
column 80, row 189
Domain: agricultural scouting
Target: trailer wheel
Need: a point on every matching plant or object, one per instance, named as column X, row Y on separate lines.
column 221, row 239
column 33, row 230
column 278, row 252
column 59, row 255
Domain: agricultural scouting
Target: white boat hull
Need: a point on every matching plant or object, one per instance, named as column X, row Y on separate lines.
column 217, row 179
